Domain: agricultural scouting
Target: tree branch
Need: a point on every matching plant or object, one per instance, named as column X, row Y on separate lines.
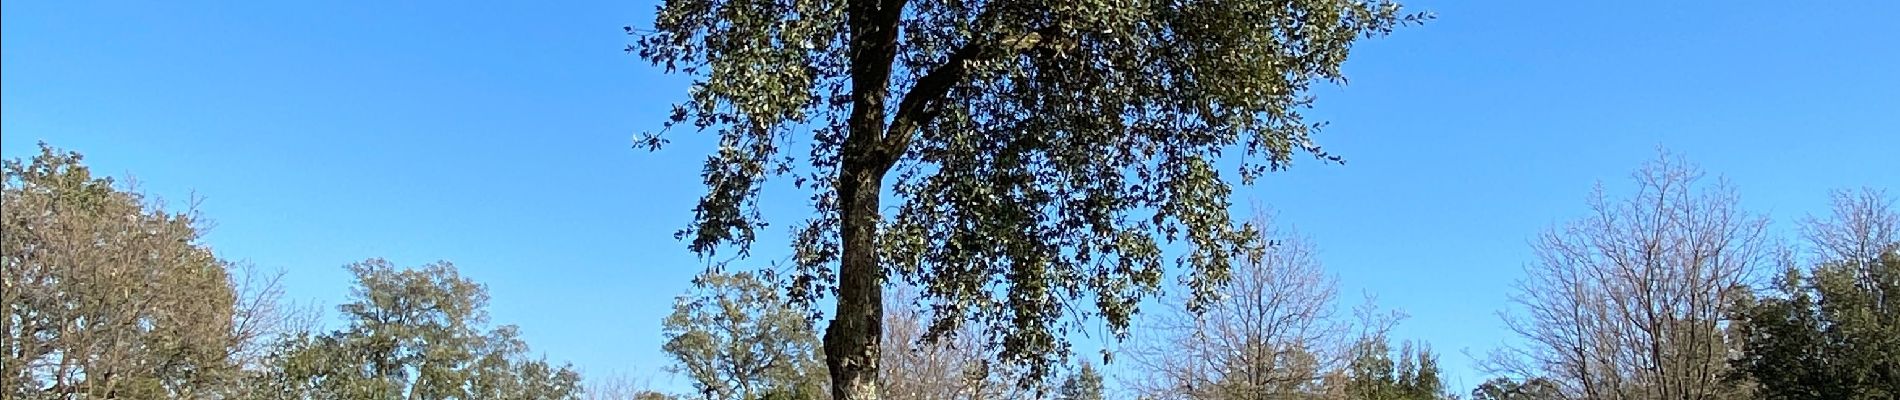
column 919, row 105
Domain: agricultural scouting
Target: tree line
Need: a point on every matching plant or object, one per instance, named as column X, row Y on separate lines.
column 1670, row 290
column 109, row 295
column 1667, row 290
column 985, row 178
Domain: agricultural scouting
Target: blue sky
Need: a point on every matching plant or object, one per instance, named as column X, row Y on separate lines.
column 497, row 135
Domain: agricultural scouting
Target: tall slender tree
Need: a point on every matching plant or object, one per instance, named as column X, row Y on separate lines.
column 1040, row 152
column 1377, row 373
column 1083, row 384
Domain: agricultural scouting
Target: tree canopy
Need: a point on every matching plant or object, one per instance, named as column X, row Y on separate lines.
column 739, row 340
column 1511, row 389
column 414, row 334
column 107, row 294
column 1044, row 152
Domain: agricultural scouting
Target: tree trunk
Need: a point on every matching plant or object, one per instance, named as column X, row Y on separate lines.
column 852, row 340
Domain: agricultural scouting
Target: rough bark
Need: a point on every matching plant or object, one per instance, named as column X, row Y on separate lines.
column 852, row 339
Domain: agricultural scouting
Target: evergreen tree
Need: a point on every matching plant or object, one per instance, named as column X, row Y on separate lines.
column 1508, row 389
column 1374, row 374
column 1833, row 331
column 1083, row 384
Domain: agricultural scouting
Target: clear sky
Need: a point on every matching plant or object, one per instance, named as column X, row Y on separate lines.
column 497, row 135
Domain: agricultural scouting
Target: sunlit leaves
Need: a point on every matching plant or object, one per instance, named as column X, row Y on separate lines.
column 739, row 340
column 1045, row 152
column 417, row 334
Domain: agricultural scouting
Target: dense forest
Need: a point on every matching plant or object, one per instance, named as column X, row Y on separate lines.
column 983, row 181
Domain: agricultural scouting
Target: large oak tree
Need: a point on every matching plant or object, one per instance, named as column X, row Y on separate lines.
column 1040, row 154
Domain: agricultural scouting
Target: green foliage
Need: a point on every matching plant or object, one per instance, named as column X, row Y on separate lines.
column 415, row 334
column 1786, row 352
column 652, row 395
column 1508, row 389
column 1374, row 374
column 740, row 340
column 107, row 294
column 1083, row 384
column 1044, row 151
column 1833, row 332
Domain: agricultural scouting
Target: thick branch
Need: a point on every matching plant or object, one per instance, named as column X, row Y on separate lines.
column 919, row 106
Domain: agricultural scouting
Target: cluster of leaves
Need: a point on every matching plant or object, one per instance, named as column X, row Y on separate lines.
column 1273, row 336
column 1083, row 384
column 1375, row 374
column 1511, row 389
column 1832, row 331
column 414, row 334
column 736, row 338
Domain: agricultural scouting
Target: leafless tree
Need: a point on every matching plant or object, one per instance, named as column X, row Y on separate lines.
column 952, row 367
column 622, row 387
column 1629, row 302
column 261, row 316
column 1274, row 334
column 1862, row 228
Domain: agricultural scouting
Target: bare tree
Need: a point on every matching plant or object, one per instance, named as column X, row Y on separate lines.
column 1862, row 228
column 1629, row 302
column 261, row 317
column 622, row 387
column 951, row 366
column 1273, row 333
